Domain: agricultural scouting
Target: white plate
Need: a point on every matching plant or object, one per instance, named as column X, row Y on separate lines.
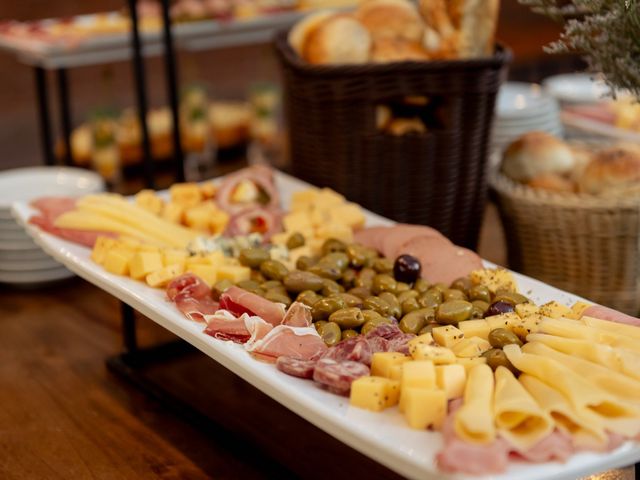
column 32, row 182
column 517, row 99
column 576, row 88
column 36, row 253
column 10, row 265
column 34, row 277
column 384, row 437
column 17, row 245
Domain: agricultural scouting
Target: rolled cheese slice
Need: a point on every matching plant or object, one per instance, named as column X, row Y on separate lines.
column 576, row 329
column 586, row 431
column 616, row 415
column 519, row 419
column 613, row 327
column 621, row 386
column 474, row 421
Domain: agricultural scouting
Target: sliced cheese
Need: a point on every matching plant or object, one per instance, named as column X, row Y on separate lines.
column 474, row 421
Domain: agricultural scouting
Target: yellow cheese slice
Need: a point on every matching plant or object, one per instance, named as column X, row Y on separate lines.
column 576, row 329
column 614, row 327
column 519, row 418
column 616, row 415
column 474, row 421
column 615, row 383
column 586, row 430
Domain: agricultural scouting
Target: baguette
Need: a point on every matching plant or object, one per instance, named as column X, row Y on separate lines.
column 477, row 28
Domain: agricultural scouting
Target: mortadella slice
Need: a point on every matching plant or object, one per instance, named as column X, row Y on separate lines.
column 605, row 313
column 398, row 236
column 371, row 236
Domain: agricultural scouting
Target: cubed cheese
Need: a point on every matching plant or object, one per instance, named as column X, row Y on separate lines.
column 349, row 214
column 150, row 201
column 280, row 238
column 418, row 373
column 304, row 199
column 117, row 260
column 173, row 256
column 297, row 222
column 496, row 280
column 395, row 372
column 526, row 309
column 100, row 249
column 208, row 273
column 577, row 309
column 199, row 216
column 526, row 326
column 149, row 248
column 328, row 198
column 214, row 258
column 382, row 362
column 469, row 363
column 424, row 408
column 218, row 221
column 161, row 278
column 143, row 263
column 447, row 335
column 335, row 230
column 129, row 243
column 475, row 328
column 197, row 259
column 471, row 347
column 172, row 212
column 504, row 320
column 554, row 310
column 438, row 355
column 374, row 393
column 424, row 339
column 185, row 194
column 320, row 216
column 451, row 379
column 208, row 189
column 234, row 273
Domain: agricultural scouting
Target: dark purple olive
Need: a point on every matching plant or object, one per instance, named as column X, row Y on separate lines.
column 407, row 268
column 496, row 308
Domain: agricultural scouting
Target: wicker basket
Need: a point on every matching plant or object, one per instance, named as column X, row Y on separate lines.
column 579, row 243
column 437, row 178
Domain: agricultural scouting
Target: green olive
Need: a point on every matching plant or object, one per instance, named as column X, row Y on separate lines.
column 463, row 284
column 273, row 269
column 415, row 321
column 295, row 240
column 256, row 276
column 409, row 305
column 220, row 287
column 326, row 306
column 305, row 263
column 383, row 283
column 497, row 358
column 330, row 333
column 500, row 337
column 348, row 317
column 277, row 297
column 329, row 287
column 319, row 324
column 349, row 278
column 480, row 292
column 476, row 312
column 308, row 297
column 253, row 257
column 453, row 294
column 383, row 265
column 421, row 285
column 351, row 300
column 480, row 304
column 430, row 298
column 373, row 324
column 377, row 304
column 402, row 296
column 440, row 286
column 357, row 255
column 249, row 286
column 326, row 270
column 395, row 309
column 371, row 315
column 337, row 259
column 513, row 298
column 365, row 278
column 298, row 281
column 269, row 284
column 428, row 328
column 453, row 311
column 333, row 245
column 402, row 287
column 361, row 292
column 349, row 333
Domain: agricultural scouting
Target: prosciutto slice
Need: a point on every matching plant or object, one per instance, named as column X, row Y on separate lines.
column 605, row 313
column 298, row 315
column 239, row 301
column 294, row 342
column 192, row 297
column 261, row 176
column 255, row 219
column 224, row 325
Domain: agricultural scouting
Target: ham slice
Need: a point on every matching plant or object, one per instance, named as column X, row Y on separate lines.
column 555, row 446
column 223, row 325
column 442, row 261
column 371, row 237
column 192, row 297
column 239, row 301
column 605, row 313
column 298, row 315
column 255, row 219
column 261, row 176
column 398, row 236
column 53, row 207
column 294, row 342
column 257, row 327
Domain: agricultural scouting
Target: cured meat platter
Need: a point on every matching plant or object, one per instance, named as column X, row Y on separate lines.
column 383, row 437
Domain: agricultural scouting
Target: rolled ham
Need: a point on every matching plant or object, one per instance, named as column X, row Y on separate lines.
column 223, row 325
column 605, row 313
column 255, row 219
column 261, row 176
column 239, row 301
column 192, row 297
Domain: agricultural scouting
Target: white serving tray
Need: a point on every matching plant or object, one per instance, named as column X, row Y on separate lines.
column 384, row 437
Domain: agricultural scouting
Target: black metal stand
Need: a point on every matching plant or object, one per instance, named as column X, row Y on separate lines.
column 44, row 119
column 65, row 114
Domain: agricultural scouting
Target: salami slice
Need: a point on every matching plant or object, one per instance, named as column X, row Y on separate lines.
column 387, row 331
column 378, row 344
column 356, row 349
column 296, row 367
column 338, row 376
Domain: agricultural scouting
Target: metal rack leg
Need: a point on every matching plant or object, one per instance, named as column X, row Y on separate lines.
column 44, row 119
column 129, row 335
column 65, row 113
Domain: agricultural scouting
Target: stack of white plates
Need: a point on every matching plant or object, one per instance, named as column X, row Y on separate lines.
column 521, row 108
column 22, row 262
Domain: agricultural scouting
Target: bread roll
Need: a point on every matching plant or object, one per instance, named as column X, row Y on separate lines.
column 397, row 50
column 339, row 39
column 613, row 172
column 391, row 19
column 552, row 182
column 301, row 30
column 536, row 153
